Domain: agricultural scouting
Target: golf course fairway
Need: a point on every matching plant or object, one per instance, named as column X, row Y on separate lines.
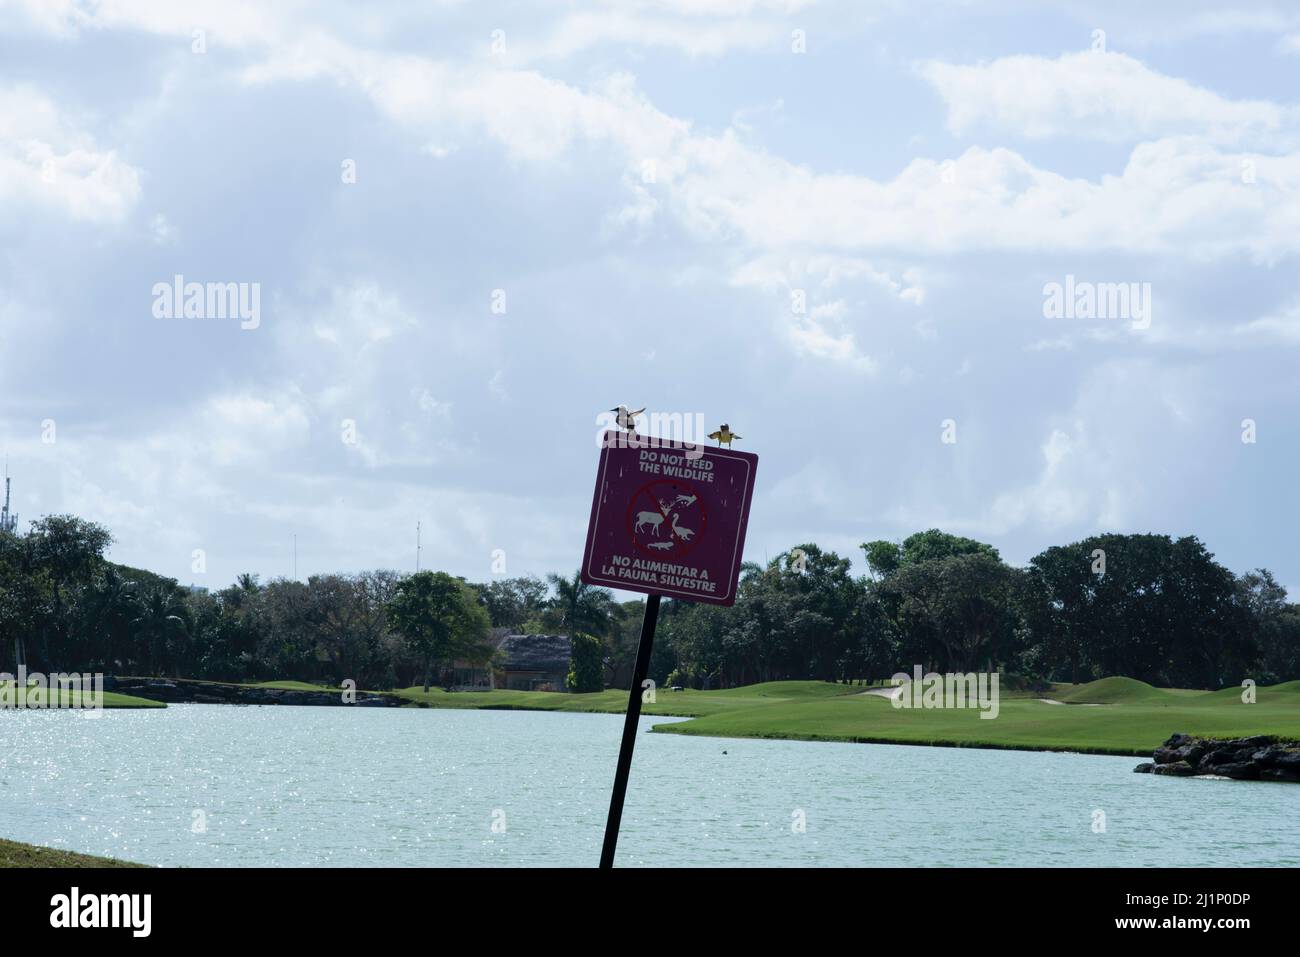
column 1109, row 716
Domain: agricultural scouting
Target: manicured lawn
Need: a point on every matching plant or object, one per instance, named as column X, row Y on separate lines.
column 687, row 703
column 1110, row 716
column 13, row 854
column 72, row 699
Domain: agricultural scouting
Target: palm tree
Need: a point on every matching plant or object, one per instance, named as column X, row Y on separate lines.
column 162, row 617
column 583, row 607
column 113, row 606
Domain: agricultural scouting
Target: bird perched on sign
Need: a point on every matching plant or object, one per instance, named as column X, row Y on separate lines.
column 626, row 418
column 724, row 435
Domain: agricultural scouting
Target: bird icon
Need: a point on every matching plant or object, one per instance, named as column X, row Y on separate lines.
column 626, row 418
column 724, row 435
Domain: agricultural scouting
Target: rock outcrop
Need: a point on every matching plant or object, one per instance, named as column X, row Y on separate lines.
column 1261, row 758
column 214, row 692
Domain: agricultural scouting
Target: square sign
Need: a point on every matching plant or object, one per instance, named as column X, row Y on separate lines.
column 669, row 519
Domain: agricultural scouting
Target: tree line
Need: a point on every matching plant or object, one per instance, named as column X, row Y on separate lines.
column 1147, row 606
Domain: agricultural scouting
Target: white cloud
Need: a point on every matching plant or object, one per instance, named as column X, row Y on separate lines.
column 785, row 271
column 1129, row 446
column 1175, row 195
column 823, row 334
column 360, row 314
column 45, row 158
column 241, row 428
column 728, row 215
column 160, row 230
column 698, row 28
column 228, row 22
column 1094, row 95
column 583, row 31
column 1052, row 501
column 819, row 327
column 1179, row 193
column 1281, row 327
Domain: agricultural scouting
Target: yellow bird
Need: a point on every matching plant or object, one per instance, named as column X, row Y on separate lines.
column 724, row 435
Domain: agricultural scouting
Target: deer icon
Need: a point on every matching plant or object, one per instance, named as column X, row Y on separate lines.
column 682, row 532
column 653, row 519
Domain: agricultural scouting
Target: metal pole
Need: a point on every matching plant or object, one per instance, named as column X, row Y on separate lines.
column 629, row 730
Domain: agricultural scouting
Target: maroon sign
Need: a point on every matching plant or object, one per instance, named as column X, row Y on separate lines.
column 669, row 519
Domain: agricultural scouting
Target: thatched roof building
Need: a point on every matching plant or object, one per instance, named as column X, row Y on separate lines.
column 536, row 652
column 521, row 663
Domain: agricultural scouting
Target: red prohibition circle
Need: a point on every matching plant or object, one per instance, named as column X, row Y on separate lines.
column 645, row 502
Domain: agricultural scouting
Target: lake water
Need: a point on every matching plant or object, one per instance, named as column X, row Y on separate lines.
column 213, row 785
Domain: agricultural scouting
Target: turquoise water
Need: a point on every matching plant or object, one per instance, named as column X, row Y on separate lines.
column 213, row 785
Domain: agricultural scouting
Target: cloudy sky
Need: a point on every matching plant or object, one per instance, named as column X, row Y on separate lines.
column 474, row 226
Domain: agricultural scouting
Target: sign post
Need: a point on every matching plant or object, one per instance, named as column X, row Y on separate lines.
column 666, row 519
column 639, row 670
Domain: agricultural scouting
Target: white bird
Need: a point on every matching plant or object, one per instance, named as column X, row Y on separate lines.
column 626, row 418
column 682, row 531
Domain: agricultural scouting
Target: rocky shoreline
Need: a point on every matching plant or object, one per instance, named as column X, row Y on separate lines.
column 1259, row 758
column 213, row 692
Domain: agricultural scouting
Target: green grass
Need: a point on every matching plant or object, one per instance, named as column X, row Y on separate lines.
column 14, row 854
column 1114, row 690
column 67, row 698
column 1133, row 717
column 685, row 704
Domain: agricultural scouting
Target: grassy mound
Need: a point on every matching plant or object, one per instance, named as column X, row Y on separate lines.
column 1113, row 690
column 14, row 854
column 786, row 690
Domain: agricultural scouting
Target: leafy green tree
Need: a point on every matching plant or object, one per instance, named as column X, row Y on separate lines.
column 1057, row 601
column 1276, row 623
column 955, row 611
column 1208, row 624
column 755, row 642
column 621, row 646
column 1146, row 606
column 111, row 605
column 71, row 552
column 160, row 628
column 583, row 607
column 876, row 654
column 884, row 557
column 695, row 632
column 585, row 664
column 440, row 617
column 26, row 594
column 512, row 601
column 287, row 639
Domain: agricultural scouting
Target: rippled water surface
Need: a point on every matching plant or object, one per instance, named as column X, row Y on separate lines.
column 204, row 785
